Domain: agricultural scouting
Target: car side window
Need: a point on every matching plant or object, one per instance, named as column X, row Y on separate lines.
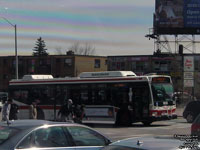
column 85, row 137
column 26, row 143
column 45, row 137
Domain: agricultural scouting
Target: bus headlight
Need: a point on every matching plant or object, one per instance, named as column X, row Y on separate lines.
column 164, row 114
column 165, row 103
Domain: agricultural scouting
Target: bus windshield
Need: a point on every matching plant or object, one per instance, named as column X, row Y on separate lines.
column 162, row 92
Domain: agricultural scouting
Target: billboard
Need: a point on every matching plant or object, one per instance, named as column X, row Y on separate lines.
column 177, row 17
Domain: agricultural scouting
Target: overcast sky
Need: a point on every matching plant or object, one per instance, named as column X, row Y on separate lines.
column 113, row 27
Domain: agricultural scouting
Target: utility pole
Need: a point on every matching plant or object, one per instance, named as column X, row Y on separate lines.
column 16, row 55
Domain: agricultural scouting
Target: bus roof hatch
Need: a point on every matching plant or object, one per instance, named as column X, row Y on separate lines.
column 32, row 77
column 106, row 74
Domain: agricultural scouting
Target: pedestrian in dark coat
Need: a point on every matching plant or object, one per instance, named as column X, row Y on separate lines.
column 14, row 109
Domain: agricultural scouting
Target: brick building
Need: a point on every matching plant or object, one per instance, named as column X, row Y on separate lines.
column 56, row 65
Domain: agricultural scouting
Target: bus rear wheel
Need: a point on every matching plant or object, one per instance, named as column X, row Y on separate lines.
column 146, row 123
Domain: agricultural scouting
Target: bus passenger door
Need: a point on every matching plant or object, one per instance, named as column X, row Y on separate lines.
column 140, row 103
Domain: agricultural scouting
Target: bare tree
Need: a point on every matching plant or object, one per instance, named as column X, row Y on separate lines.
column 75, row 48
column 87, row 49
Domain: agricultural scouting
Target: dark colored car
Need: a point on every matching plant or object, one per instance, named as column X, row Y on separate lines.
column 40, row 134
column 195, row 128
column 191, row 111
column 152, row 143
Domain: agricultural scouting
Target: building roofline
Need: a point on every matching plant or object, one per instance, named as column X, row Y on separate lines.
column 57, row 55
column 158, row 55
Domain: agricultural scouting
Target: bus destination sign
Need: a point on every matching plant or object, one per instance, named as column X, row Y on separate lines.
column 160, row 80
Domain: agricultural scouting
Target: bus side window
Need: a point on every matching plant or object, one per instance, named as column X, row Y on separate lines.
column 137, row 95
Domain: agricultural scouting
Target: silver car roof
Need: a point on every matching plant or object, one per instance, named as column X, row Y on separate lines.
column 31, row 123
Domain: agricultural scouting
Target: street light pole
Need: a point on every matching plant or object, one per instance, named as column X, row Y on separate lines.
column 16, row 56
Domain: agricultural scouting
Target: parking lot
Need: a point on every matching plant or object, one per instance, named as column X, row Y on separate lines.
column 160, row 128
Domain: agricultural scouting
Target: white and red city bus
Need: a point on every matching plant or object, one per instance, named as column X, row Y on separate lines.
column 110, row 96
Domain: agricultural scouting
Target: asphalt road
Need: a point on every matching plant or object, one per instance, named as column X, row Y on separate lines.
column 167, row 128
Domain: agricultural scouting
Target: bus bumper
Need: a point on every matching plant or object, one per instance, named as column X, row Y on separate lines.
column 164, row 117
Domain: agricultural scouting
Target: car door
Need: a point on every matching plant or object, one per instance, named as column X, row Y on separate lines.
column 49, row 138
column 86, row 138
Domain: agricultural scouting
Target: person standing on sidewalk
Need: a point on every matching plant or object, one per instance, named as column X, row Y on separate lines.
column 66, row 112
column 14, row 109
column 33, row 111
column 70, row 107
column 6, row 110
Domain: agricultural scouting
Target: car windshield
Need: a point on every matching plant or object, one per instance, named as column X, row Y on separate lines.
column 162, row 92
column 6, row 133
